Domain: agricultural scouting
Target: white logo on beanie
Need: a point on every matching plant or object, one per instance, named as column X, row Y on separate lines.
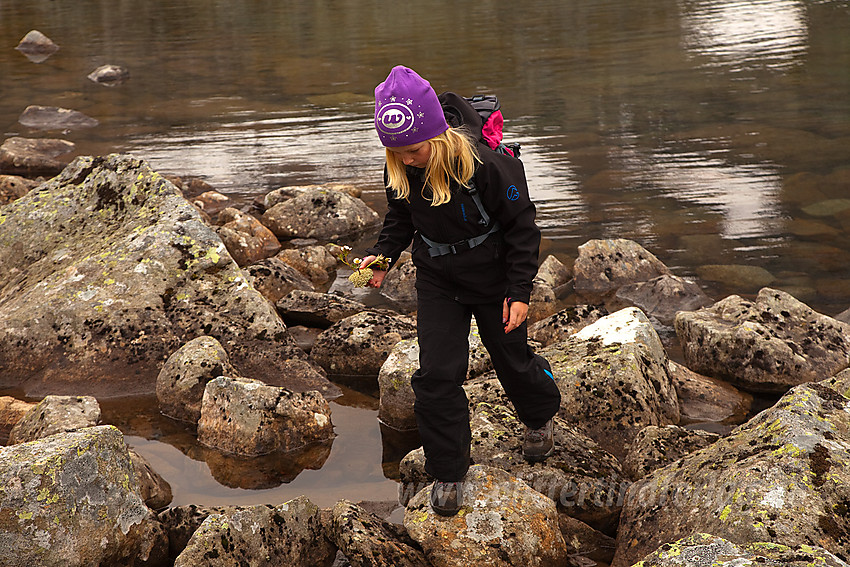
column 395, row 118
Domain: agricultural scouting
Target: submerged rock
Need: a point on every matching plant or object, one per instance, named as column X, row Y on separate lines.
column 109, row 75
column 55, row 118
column 70, row 500
column 503, row 522
column 782, row 477
column 36, row 46
column 767, row 345
column 106, row 271
column 261, row 536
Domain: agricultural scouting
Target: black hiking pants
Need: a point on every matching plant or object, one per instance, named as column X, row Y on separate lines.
column 441, row 406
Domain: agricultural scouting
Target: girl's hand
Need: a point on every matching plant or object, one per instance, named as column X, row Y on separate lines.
column 513, row 314
column 377, row 275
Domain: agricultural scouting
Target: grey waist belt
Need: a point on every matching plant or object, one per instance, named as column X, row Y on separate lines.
column 439, row 249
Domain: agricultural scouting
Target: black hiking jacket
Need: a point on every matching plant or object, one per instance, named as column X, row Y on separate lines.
column 505, row 264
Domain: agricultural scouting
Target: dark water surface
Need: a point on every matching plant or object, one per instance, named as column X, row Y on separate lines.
column 713, row 132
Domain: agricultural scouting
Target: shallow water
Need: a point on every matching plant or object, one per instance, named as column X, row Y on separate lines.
column 713, row 132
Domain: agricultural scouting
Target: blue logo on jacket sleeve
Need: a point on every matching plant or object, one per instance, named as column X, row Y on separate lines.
column 513, row 193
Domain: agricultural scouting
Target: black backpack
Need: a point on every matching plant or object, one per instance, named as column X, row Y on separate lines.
column 488, row 108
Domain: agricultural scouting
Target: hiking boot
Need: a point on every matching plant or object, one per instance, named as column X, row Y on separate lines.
column 446, row 497
column 538, row 444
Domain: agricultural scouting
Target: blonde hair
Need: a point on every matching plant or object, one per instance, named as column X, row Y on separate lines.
column 453, row 158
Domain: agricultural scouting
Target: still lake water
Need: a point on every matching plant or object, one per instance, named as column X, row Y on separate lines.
column 712, row 132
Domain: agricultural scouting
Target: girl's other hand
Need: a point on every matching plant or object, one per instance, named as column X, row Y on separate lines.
column 513, row 314
column 377, row 275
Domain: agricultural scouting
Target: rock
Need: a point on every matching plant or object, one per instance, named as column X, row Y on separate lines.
column 209, row 200
column 656, row 447
column 395, row 408
column 30, row 157
column 844, row 316
column 55, row 118
column 250, row 418
column 358, row 345
column 583, row 542
column 366, row 539
column 180, row 522
column 708, row 400
column 36, row 46
column 503, row 522
column 662, row 297
column 246, row 239
column 736, row 276
column 181, row 382
column 603, row 266
column 56, row 414
column 325, row 214
column 106, row 271
column 782, row 477
column 274, row 279
column 764, row 346
column 542, row 303
column 707, row 549
column 553, row 272
column 282, row 194
column 614, row 379
column 564, row 323
column 399, row 286
column 109, row 75
column 261, row 536
column 14, row 187
column 316, row 309
column 69, row 500
column 12, row 411
column 315, row 262
column 154, row 490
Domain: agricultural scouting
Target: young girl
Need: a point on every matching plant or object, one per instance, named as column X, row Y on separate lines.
column 475, row 246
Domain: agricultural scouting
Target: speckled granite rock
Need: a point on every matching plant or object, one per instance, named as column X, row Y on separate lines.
column 655, row 447
column 323, row 213
column 56, row 414
column 603, row 266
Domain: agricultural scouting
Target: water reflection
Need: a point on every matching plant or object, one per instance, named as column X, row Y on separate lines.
column 746, row 33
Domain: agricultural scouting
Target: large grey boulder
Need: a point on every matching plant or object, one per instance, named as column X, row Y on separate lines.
column 321, row 213
column 70, row 500
column 56, row 414
column 766, row 345
column 603, row 266
column 783, row 477
column 33, row 156
column 106, row 270
column 707, row 549
column 614, row 379
column 503, row 522
column 261, row 536
column 184, row 376
column 366, row 539
column 180, row 522
column 358, row 345
column 247, row 417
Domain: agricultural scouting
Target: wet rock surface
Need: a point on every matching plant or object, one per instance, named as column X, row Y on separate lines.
column 766, row 345
column 55, row 118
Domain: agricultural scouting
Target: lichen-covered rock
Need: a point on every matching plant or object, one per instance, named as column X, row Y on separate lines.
column 614, row 379
column 274, row 278
column 70, row 500
column 316, row 309
column 542, row 303
column 33, row 156
column 180, row 522
column 106, row 270
column 56, row 414
column 154, row 490
column 12, row 410
column 782, row 477
column 247, row 417
column 767, row 345
column 399, row 286
column 603, row 266
column 553, row 272
column 706, row 549
column 261, row 536
column 708, row 400
column 322, row 213
column 366, row 539
column 585, row 481
column 503, row 522
column 662, row 297
column 358, row 345
column 564, row 323
column 656, row 447
column 316, row 262
column 181, row 382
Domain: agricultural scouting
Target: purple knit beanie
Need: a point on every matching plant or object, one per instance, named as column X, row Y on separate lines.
column 407, row 110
